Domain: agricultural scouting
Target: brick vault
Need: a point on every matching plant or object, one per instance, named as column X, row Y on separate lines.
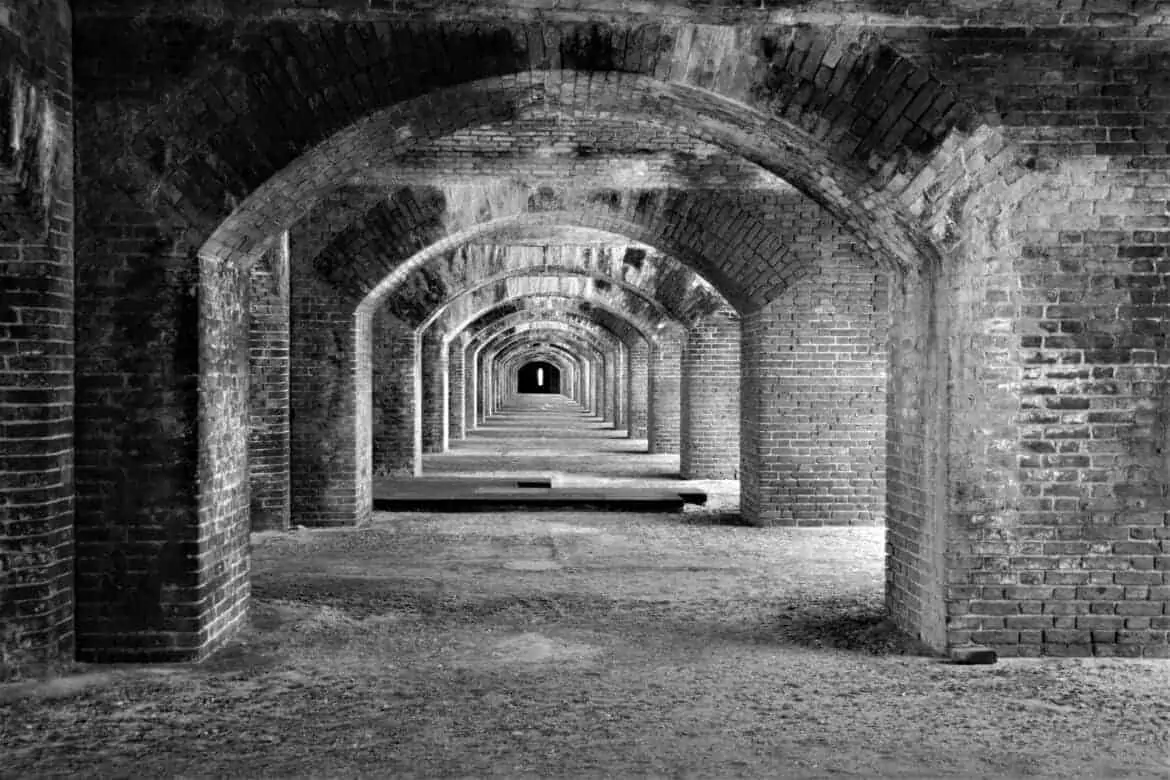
column 252, row 256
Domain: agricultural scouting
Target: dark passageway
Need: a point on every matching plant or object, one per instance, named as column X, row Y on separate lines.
column 538, row 377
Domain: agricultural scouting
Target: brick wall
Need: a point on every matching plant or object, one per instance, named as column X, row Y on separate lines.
column 268, row 432
column 637, row 387
column 663, row 393
column 456, row 381
column 433, row 367
column 393, row 357
column 814, row 383
column 36, row 337
column 916, row 573
column 1031, row 158
column 620, row 387
column 709, row 399
column 328, row 436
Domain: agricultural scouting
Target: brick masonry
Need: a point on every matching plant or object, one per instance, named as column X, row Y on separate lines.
column 268, row 430
column 456, row 383
column 709, row 398
column 36, row 337
column 664, row 379
column 1004, row 167
column 814, row 384
column 637, row 388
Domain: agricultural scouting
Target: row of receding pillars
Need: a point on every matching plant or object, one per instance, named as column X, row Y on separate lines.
column 678, row 390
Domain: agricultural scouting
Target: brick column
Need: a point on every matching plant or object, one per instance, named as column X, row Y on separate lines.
column 268, row 434
column 37, row 346
column 434, row 391
column 329, row 368
column 637, row 379
column 618, row 361
column 813, row 423
column 662, row 412
column 470, row 389
column 710, row 398
column 393, row 394
column 482, row 386
column 455, row 390
column 601, row 388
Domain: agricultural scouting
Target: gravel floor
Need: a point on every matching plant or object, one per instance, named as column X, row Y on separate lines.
column 583, row 645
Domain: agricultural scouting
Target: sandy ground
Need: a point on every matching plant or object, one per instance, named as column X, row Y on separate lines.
column 583, row 645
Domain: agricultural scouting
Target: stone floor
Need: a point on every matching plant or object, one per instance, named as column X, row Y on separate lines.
column 582, row 645
column 551, row 436
column 544, row 440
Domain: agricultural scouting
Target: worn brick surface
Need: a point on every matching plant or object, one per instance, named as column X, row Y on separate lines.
column 710, row 398
column 814, row 383
column 637, row 387
column 268, row 431
column 36, row 337
column 1002, row 164
column 664, row 377
column 456, row 389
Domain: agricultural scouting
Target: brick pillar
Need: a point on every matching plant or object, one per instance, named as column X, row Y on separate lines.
column 814, row 377
column 434, row 391
column 330, row 434
column 393, row 387
column 618, row 361
column 482, row 386
column 268, row 435
column 455, row 390
column 36, row 345
column 662, row 412
column 470, row 389
column 710, row 398
column 601, row 388
column 637, row 378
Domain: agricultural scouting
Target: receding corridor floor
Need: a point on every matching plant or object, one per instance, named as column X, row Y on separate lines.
column 568, row 644
column 550, row 435
column 543, row 452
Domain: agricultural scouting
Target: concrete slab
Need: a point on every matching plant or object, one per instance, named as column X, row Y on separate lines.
column 472, row 495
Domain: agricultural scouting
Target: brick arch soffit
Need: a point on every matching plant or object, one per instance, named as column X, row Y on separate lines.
column 541, row 330
column 601, row 312
column 510, row 314
column 471, row 303
column 558, row 355
column 517, row 348
column 548, row 356
column 410, row 219
column 662, row 288
column 564, row 321
column 576, row 353
column 627, row 220
column 881, row 218
column 597, row 336
column 596, row 327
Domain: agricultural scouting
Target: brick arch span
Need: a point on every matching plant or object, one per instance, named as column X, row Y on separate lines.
column 731, row 249
column 466, row 308
column 596, row 334
column 794, row 155
column 520, row 345
column 207, row 401
column 753, row 123
column 529, row 338
column 672, row 286
column 572, row 363
column 619, row 322
column 821, row 83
